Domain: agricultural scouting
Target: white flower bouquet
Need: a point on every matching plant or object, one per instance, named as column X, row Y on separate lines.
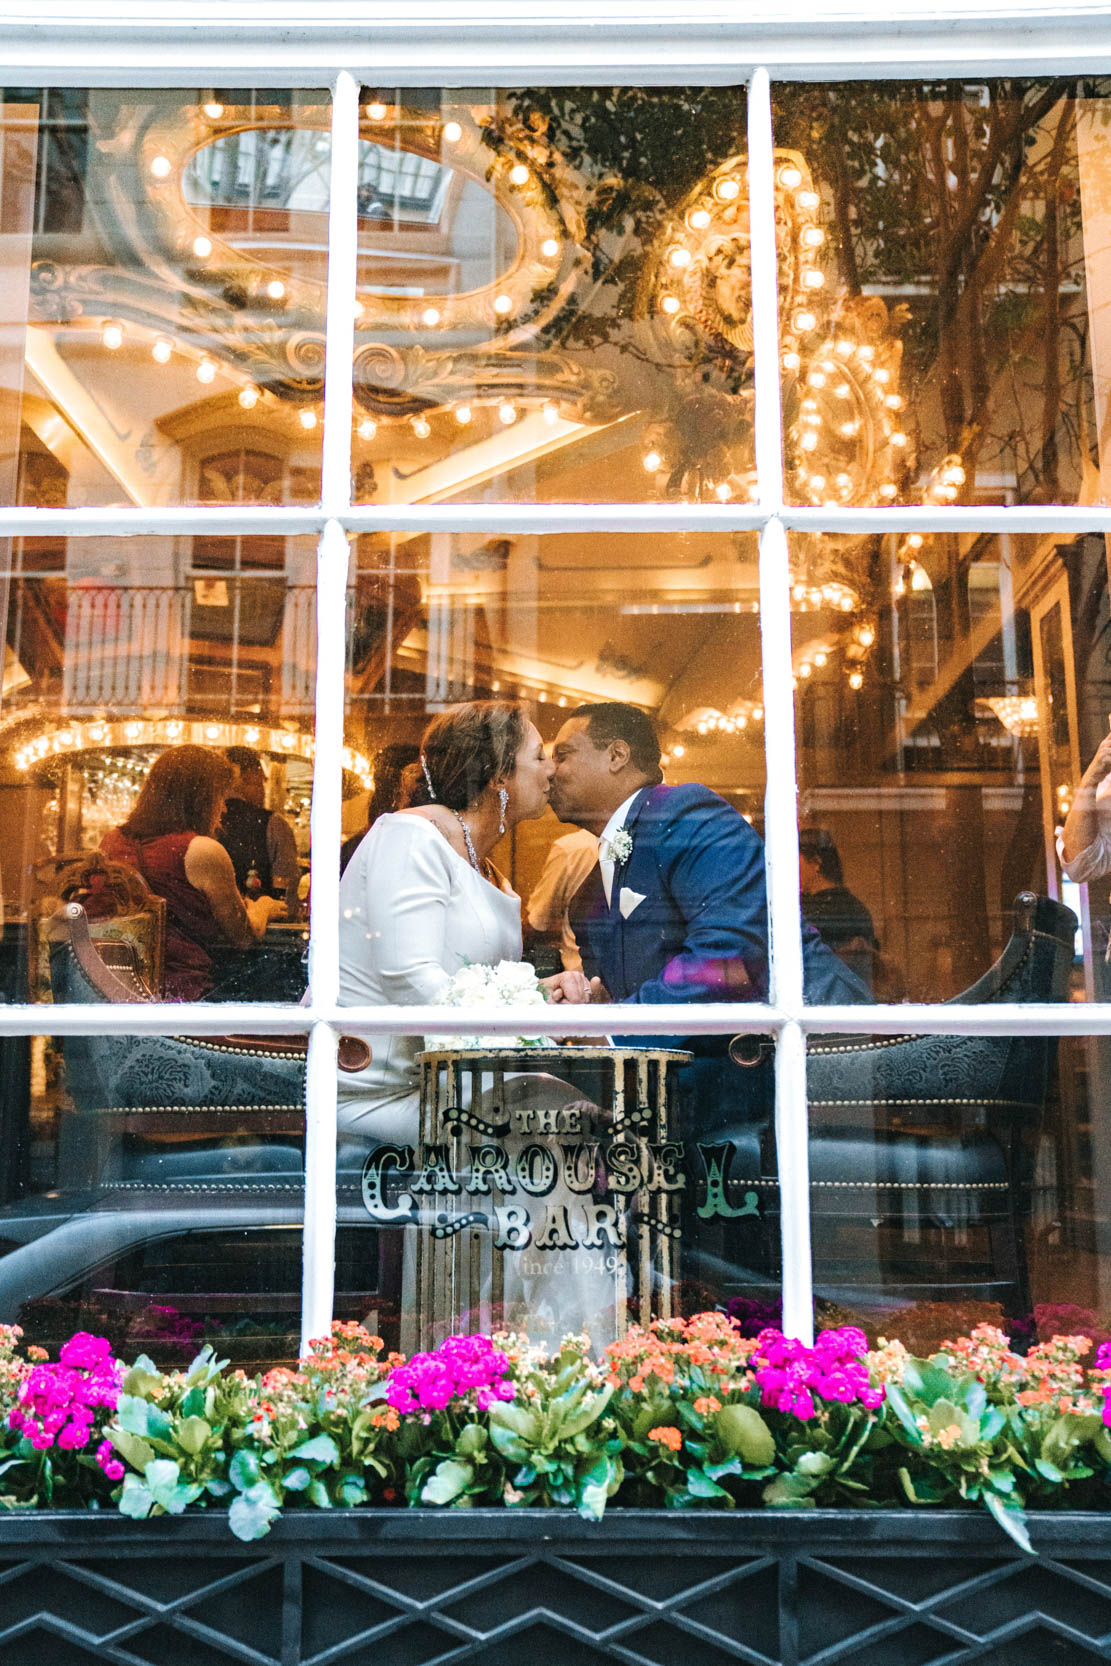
column 511, row 983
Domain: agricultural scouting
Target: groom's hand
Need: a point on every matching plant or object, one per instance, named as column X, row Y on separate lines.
column 599, row 992
column 567, row 986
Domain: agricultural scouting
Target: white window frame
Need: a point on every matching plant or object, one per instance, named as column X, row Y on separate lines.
column 499, row 43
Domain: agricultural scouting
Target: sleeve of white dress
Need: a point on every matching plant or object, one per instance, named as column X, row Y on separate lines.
column 1090, row 863
column 408, row 891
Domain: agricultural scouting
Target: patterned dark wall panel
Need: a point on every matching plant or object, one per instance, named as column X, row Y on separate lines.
column 396, row 1588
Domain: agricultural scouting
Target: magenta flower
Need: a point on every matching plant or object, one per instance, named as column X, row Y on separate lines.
column 109, row 1463
column 793, row 1378
column 57, row 1404
column 460, row 1366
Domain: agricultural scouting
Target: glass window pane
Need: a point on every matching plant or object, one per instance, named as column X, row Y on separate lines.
column 952, row 746
column 553, row 297
column 958, row 1180
column 157, row 723
column 575, row 1185
column 165, row 263
column 942, row 337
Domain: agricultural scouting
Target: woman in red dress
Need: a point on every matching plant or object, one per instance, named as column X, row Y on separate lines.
column 168, row 839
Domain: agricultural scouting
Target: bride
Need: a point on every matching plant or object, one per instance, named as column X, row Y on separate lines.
column 419, row 900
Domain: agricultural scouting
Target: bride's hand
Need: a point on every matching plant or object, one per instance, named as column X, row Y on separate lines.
column 566, row 986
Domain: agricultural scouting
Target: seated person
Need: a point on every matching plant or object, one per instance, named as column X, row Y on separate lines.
column 568, row 862
column 390, row 764
column 169, row 839
column 840, row 918
column 260, row 842
column 1084, row 845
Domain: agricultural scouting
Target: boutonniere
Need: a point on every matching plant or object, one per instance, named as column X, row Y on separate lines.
column 620, row 847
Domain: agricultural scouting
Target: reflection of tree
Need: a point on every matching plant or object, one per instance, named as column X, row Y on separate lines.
column 966, row 199
column 960, row 201
column 624, row 155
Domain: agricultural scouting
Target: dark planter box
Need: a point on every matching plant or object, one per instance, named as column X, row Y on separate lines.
column 542, row 1588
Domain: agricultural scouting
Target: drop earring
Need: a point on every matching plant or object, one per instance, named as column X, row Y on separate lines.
column 503, row 801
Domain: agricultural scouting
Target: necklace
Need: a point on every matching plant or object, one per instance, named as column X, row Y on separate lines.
column 468, row 841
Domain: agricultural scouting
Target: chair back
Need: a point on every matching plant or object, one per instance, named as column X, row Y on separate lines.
column 121, row 916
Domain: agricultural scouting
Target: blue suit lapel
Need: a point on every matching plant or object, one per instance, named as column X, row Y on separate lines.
column 619, row 873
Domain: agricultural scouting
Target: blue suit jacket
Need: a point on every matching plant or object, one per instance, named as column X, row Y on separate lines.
column 701, row 932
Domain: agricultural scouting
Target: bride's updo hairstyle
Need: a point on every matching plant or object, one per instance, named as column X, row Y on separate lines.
column 463, row 751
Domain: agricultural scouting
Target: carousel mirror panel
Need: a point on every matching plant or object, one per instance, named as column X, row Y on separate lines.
column 155, row 785
column 165, row 264
column 156, row 768
column 944, row 275
column 554, row 298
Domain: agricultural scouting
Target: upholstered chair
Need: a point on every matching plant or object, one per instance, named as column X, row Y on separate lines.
column 922, row 1147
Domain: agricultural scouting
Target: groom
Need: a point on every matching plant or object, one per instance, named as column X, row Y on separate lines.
column 675, row 909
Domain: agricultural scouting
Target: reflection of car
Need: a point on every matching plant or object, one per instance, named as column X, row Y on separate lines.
column 160, row 1267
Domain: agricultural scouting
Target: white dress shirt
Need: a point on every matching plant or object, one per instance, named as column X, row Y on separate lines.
column 605, row 843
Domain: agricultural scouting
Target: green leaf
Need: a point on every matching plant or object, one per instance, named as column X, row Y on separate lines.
column 699, row 1485
column 162, row 1476
column 815, row 1464
column 472, row 1440
column 143, row 1378
column 296, row 1480
column 132, row 1448
column 506, row 1414
column 251, row 1513
column 509, row 1445
column 1102, row 1443
column 992, row 1423
column 593, row 1488
column 588, row 1413
column 193, row 1405
column 920, row 1491
column 1048, row 1471
column 135, row 1500
column 446, row 1482
column 743, row 1431
column 204, row 1366
column 317, row 1493
column 1010, row 1519
column 943, row 1414
column 926, row 1381
column 897, row 1401
column 321, row 1449
column 243, row 1471
column 192, row 1434
column 789, row 1491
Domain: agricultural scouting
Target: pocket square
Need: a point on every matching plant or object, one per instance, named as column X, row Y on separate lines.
column 628, row 900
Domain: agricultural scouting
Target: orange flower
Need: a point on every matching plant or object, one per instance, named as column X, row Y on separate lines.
column 667, row 1436
column 706, row 1405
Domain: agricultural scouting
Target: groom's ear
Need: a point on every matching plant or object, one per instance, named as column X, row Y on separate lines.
column 619, row 755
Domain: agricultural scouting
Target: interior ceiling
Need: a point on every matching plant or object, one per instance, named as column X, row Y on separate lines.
column 496, row 355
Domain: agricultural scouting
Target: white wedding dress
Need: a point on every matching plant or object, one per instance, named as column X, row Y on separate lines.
column 412, row 913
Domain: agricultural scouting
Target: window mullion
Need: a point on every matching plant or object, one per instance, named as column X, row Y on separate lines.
column 318, row 1269
column 780, row 819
